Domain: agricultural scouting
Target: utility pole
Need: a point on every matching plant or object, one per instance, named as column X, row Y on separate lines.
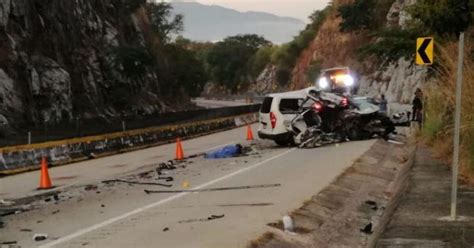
column 457, row 127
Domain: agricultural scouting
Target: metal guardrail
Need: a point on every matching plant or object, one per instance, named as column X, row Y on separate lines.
column 16, row 159
column 99, row 126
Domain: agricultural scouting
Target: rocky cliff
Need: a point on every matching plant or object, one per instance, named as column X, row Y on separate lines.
column 57, row 60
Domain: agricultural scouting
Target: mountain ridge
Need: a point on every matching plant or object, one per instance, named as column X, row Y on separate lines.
column 213, row 22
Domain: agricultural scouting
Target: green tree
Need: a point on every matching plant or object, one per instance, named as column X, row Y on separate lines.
column 163, row 22
column 358, row 15
column 442, row 17
column 391, row 44
column 188, row 72
column 228, row 60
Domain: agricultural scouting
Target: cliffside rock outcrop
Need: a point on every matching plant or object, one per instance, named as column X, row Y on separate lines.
column 57, row 61
column 399, row 80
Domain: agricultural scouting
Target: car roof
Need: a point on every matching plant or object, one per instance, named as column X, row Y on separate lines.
column 292, row 94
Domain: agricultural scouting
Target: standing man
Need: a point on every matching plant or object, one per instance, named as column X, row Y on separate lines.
column 383, row 104
column 418, row 106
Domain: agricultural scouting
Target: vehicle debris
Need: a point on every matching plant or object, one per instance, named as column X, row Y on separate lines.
column 8, row 242
column 372, row 204
column 90, row 187
column 214, row 189
column 12, row 210
column 212, row 217
column 168, row 179
column 166, row 229
column 136, row 182
column 6, row 202
column 288, row 224
column 367, row 229
column 40, row 237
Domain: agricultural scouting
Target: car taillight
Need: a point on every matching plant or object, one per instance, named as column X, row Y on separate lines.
column 317, row 106
column 273, row 119
column 344, row 102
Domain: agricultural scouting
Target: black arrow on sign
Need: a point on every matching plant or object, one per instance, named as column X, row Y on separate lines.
column 422, row 51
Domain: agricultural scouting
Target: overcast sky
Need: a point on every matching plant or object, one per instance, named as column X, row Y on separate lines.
column 300, row 9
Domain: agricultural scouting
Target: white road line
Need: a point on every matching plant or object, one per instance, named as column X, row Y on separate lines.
column 155, row 204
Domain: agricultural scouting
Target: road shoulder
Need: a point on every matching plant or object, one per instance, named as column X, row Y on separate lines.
column 418, row 222
column 354, row 209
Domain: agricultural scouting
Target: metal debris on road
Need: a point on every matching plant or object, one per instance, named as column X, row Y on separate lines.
column 168, row 179
column 372, row 204
column 90, row 187
column 40, row 237
column 6, row 203
column 8, row 242
column 367, row 229
column 212, row 217
column 288, row 224
column 214, row 189
column 136, row 182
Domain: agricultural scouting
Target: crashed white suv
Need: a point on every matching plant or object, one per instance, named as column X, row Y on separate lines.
column 276, row 113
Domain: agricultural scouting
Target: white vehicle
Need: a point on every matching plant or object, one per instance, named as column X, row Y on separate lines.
column 276, row 114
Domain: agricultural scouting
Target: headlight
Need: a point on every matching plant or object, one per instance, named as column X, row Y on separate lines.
column 348, row 80
column 323, row 83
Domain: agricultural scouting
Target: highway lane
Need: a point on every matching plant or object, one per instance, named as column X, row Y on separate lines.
column 124, row 216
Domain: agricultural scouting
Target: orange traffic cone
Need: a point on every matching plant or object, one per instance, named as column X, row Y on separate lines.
column 45, row 181
column 249, row 133
column 179, row 150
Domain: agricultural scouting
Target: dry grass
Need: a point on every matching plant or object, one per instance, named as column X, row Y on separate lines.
column 439, row 107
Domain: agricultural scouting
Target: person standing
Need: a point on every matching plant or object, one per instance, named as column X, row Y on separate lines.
column 418, row 106
column 383, row 104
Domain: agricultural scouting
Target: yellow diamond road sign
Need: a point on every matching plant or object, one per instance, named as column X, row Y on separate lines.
column 424, row 51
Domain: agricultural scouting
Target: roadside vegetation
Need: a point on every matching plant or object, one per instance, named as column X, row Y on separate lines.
column 444, row 20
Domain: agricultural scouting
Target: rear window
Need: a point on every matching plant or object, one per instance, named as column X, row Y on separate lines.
column 266, row 105
column 289, row 105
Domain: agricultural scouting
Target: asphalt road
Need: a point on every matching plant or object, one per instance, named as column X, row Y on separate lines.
column 122, row 215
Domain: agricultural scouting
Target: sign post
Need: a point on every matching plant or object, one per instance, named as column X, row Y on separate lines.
column 424, row 51
column 457, row 128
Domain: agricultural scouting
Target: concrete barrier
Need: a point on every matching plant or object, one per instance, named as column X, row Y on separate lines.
column 16, row 159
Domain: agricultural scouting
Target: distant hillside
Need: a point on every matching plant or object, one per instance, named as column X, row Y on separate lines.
column 213, row 23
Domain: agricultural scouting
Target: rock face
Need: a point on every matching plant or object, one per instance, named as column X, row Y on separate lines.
column 57, row 60
column 266, row 82
column 399, row 80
